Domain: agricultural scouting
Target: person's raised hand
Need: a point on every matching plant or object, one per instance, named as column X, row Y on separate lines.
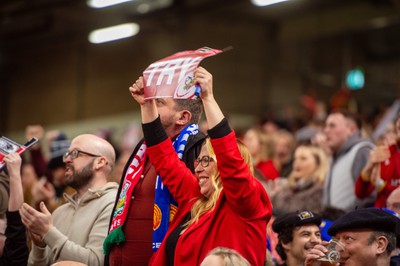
column 137, row 91
column 205, row 80
column 379, row 154
column 376, row 156
column 13, row 162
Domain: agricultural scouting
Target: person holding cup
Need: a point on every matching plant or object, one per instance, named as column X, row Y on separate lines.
column 333, row 255
column 297, row 233
column 368, row 237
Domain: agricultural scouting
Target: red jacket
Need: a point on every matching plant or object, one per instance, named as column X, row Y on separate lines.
column 239, row 218
column 268, row 169
column 390, row 173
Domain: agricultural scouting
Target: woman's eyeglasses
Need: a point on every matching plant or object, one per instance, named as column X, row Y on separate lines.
column 204, row 161
column 75, row 153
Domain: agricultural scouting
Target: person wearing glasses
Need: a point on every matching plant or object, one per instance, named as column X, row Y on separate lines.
column 144, row 207
column 76, row 230
column 222, row 204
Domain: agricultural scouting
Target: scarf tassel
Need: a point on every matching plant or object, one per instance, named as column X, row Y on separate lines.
column 115, row 237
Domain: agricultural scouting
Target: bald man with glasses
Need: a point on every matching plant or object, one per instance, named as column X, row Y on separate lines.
column 76, row 230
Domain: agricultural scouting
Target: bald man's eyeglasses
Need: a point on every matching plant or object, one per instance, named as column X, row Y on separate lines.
column 75, row 153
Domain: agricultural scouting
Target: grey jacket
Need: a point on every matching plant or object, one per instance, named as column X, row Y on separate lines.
column 346, row 165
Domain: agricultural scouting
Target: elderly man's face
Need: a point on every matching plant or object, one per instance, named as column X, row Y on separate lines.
column 360, row 247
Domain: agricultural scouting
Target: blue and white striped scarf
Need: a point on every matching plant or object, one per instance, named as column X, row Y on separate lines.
column 164, row 205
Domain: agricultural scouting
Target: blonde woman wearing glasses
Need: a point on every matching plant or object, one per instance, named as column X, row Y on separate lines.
column 222, row 204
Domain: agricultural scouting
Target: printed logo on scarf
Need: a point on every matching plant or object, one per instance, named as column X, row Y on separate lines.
column 157, row 216
column 172, row 211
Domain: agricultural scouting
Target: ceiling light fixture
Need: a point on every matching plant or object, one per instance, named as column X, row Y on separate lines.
column 143, row 8
column 114, row 33
column 266, row 2
column 105, row 3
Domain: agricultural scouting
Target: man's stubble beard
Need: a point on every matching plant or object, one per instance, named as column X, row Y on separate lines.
column 80, row 179
column 169, row 125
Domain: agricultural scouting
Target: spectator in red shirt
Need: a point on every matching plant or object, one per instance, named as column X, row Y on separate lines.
column 260, row 148
column 382, row 171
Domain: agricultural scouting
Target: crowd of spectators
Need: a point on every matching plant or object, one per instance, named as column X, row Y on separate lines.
column 326, row 166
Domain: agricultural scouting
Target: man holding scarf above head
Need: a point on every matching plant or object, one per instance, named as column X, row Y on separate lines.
column 144, row 207
column 222, row 204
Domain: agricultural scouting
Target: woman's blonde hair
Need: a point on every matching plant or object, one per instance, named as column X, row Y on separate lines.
column 230, row 257
column 204, row 204
column 322, row 165
column 266, row 145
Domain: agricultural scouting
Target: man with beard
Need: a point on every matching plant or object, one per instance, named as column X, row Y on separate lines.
column 144, row 205
column 76, row 230
column 298, row 233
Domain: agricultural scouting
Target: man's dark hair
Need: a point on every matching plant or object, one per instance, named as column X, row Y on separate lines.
column 285, row 236
column 355, row 118
column 194, row 106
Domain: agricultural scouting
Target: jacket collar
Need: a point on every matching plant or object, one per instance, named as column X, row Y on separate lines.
column 90, row 195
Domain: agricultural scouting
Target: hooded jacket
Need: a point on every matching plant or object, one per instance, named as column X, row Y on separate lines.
column 79, row 229
column 345, row 167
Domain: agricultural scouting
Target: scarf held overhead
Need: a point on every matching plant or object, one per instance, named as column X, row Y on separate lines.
column 164, row 205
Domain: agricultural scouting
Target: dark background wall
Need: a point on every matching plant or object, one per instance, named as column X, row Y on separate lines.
column 50, row 74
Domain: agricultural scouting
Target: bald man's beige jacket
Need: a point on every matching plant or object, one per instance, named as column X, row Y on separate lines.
column 79, row 229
